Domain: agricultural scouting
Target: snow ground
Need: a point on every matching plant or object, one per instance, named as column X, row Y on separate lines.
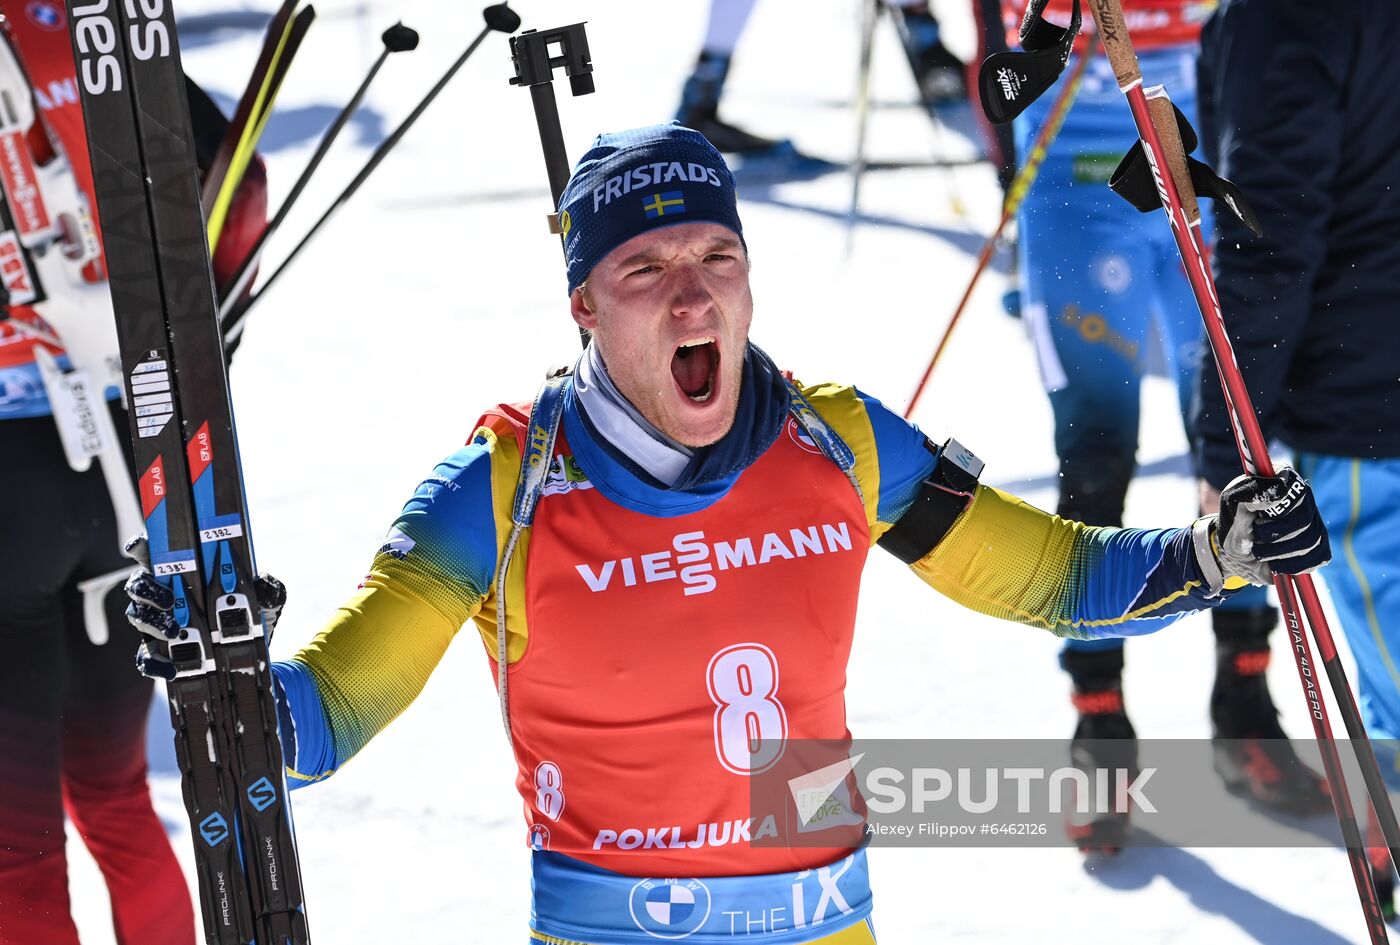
column 438, row 292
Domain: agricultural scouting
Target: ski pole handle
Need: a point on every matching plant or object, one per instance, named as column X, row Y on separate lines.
column 1117, row 44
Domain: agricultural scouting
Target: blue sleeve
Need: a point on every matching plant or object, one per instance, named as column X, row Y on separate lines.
column 905, row 456
column 305, row 731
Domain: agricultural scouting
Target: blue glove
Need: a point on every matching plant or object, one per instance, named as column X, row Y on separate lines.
column 1266, row 526
column 151, row 603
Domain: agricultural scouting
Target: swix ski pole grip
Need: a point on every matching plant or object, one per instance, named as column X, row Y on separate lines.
column 1113, row 32
column 1117, row 44
column 1164, row 120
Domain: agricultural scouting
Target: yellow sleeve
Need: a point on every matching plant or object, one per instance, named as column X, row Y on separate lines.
column 1010, row 560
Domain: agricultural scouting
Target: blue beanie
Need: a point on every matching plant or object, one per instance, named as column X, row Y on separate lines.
column 638, row 180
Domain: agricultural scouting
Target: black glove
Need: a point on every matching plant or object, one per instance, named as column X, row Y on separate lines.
column 151, row 603
column 1266, row 526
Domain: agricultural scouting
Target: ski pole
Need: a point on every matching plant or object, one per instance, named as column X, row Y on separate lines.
column 243, row 150
column 870, row 13
column 499, row 18
column 534, row 69
column 274, row 39
column 1155, row 118
column 1017, row 192
column 397, row 38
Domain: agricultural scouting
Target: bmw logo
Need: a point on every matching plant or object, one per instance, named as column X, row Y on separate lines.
column 16, row 391
column 670, row 908
column 44, row 15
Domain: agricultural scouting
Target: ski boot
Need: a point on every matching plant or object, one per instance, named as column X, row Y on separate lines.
column 941, row 76
column 1252, row 754
column 700, row 110
column 1103, row 739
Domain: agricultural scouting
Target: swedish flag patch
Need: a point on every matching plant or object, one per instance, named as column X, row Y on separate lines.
column 664, row 205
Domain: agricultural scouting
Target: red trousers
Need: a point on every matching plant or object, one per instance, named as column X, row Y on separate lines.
column 72, row 715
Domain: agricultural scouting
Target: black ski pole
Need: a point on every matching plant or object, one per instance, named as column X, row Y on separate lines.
column 499, row 18
column 534, row 69
column 397, row 38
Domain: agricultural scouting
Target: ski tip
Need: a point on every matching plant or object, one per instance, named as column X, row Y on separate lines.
column 400, row 38
column 501, row 18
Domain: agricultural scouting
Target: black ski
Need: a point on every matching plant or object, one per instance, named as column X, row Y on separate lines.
column 222, row 704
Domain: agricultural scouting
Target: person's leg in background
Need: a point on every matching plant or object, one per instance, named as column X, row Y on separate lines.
column 938, row 73
column 699, row 107
column 991, row 38
column 1252, row 753
column 33, row 870
column 105, row 790
column 1360, row 502
column 72, row 714
column 1085, row 279
column 38, row 486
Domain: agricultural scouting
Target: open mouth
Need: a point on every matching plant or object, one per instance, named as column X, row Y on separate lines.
column 695, row 366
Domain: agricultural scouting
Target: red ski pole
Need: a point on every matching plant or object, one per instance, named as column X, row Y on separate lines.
column 1156, row 124
column 1020, row 186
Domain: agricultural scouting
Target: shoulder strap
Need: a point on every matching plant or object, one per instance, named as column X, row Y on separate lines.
column 545, row 417
column 542, row 432
column 827, row 439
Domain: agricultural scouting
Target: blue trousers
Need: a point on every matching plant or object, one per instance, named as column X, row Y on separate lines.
column 1103, row 293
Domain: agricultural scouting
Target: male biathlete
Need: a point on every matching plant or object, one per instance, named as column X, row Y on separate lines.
column 662, row 557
